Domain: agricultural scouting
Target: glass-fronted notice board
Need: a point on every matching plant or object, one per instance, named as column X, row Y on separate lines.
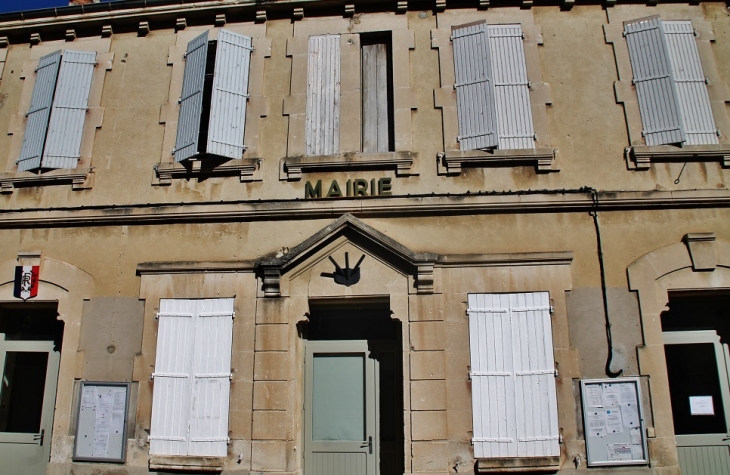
column 101, row 432
column 614, row 422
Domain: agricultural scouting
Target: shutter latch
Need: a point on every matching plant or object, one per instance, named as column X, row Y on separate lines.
column 556, row 372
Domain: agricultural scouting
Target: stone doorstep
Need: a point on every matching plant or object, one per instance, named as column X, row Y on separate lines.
column 514, row 464
column 201, row 464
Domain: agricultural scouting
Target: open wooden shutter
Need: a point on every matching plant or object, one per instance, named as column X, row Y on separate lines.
column 322, row 129
column 191, row 99
column 230, row 94
column 36, row 126
column 375, row 108
column 655, row 86
column 690, row 83
column 211, row 373
column 511, row 87
column 514, row 400
column 70, row 103
column 474, row 87
column 171, row 399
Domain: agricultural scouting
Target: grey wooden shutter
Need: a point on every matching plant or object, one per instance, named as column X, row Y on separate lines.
column 68, row 114
column 211, row 378
column 474, row 87
column 36, row 125
column 230, row 94
column 191, row 99
column 514, row 399
column 375, row 107
column 690, row 83
column 655, row 87
column 511, row 87
column 322, row 130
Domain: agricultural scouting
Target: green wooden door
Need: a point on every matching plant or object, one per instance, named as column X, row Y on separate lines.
column 340, row 409
column 27, row 399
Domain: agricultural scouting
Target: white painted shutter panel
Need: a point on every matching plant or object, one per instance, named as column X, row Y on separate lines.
column 654, row 83
column 535, row 394
column 212, row 373
column 40, row 110
column 323, row 95
column 511, row 87
column 191, row 99
column 694, row 103
column 230, row 94
column 492, row 376
column 171, row 399
column 474, row 87
column 70, row 103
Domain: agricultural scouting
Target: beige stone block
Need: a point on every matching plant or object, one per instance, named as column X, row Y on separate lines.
column 272, row 366
column 425, row 308
column 242, row 365
column 240, row 410
column 459, row 425
column 430, row 457
column 272, row 311
column 428, row 395
column 428, row 365
column 427, row 336
column 458, row 394
column 271, row 425
column 457, row 335
column 428, row 425
column 272, row 395
column 268, row 455
column 272, row 337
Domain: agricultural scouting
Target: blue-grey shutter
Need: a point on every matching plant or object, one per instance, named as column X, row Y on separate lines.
column 474, row 87
column 511, row 87
column 322, row 129
column 191, row 99
column 40, row 110
column 655, row 86
column 690, row 83
column 68, row 114
column 230, row 93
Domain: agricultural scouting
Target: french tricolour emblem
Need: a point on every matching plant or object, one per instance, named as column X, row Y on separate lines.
column 26, row 282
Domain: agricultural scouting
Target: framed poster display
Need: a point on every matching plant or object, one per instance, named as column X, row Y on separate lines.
column 101, row 431
column 614, row 422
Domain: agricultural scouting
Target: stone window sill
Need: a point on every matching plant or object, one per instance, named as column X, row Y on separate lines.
column 640, row 157
column 527, row 464
column 451, row 162
column 79, row 178
column 246, row 169
column 187, row 463
column 292, row 168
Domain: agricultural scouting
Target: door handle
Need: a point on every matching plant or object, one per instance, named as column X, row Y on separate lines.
column 369, row 445
column 39, row 437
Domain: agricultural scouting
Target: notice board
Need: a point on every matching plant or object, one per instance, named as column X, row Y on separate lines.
column 101, row 432
column 614, row 422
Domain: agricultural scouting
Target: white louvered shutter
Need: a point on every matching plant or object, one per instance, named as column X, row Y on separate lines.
column 191, row 99
column 40, row 110
column 230, row 94
column 322, row 129
column 211, row 373
column 70, row 103
column 690, row 82
column 513, row 376
column 474, row 87
column 511, row 87
column 655, row 87
column 173, row 376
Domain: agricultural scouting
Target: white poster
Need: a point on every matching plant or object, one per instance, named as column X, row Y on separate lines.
column 630, row 415
column 637, row 452
column 611, row 395
column 597, row 423
column 614, row 423
column 88, row 398
column 701, row 406
column 619, row 452
column 594, row 395
column 635, row 435
column 628, row 393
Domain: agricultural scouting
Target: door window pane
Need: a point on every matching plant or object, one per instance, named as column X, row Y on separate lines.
column 338, row 397
column 21, row 391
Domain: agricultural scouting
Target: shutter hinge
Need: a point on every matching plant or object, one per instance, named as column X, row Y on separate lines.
column 556, row 372
column 157, row 316
column 694, row 32
column 707, row 80
column 560, row 439
column 623, row 33
column 717, row 131
column 552, row 310
column 228, row 441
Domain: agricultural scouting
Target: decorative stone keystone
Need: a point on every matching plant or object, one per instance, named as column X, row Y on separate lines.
column 702, row 251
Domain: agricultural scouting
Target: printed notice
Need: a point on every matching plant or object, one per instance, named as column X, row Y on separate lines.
column 88, row 398
column 614, row 424
column 628, row 393
column 635, row 435
column 619, row 452
column 701, row 406
column 630, row 415
column 611, row 395
column 101, row 445
column 597, row 423
column 594, row 394
column 637, row 452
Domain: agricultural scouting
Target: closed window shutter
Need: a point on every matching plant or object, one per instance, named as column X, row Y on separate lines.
column 70, row 103
column 514, row 401
column 191, row 99
column 474, row 87
column 375, row 137
column 230, row 93
column 173, row 376
column 691, row 86
column 655, row 87
column 323, row 96
column 211, row 373
column 511, row 87
column 40, row 110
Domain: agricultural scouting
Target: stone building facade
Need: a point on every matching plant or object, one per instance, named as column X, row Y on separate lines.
column 365, row 238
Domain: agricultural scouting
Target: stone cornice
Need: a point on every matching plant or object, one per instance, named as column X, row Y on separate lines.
column 558, row 201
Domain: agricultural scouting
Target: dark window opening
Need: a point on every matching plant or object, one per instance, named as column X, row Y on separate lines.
column 207, row 95
column 378, row 133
